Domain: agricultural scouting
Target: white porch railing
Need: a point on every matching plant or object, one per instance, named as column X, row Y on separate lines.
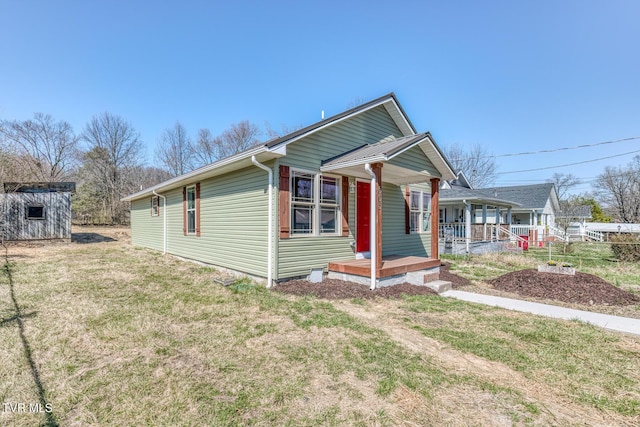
column 509, row 233
column 594, row 235
column 555, row 231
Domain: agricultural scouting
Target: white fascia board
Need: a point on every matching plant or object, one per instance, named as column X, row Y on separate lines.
column 443, row 163
column 404, row 121
column 192, row 176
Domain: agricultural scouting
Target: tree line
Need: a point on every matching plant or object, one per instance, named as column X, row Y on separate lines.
column 106, row 160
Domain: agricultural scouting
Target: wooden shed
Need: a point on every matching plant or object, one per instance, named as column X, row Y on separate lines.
column 36, row 210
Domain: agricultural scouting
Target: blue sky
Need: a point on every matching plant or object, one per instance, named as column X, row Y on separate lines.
column 515, row 76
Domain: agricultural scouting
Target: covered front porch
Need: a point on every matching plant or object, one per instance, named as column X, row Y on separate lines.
column 411, row 180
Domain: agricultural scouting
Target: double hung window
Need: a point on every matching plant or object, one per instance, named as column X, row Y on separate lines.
column 191, row 210
column 315, row 204
column 420, row 212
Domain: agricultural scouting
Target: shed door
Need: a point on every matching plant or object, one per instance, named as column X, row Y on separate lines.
column 363, row 213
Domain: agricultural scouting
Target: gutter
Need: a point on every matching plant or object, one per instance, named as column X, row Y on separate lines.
column 372, row 227
column 270, row 221
column 164, row 219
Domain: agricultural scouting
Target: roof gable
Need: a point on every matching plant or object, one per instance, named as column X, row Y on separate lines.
column 389, row 102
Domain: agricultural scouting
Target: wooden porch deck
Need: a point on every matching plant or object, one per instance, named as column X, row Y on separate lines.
column 391, row 265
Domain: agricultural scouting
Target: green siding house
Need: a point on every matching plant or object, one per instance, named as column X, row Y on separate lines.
column 354, row 196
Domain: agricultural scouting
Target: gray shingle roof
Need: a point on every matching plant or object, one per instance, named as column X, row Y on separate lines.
column 459, row 193
column 533, row 196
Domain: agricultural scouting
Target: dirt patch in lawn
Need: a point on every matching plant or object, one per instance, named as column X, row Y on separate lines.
column 579, row 289
column 340, row 289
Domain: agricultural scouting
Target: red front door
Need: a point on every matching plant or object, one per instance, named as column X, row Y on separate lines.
column 363, row 212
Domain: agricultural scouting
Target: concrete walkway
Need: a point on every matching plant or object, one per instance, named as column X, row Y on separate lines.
column 616, row 323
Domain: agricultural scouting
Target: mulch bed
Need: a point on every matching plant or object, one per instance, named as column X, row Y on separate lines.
column 580, row 289
column 456, row 281
column 339, row 289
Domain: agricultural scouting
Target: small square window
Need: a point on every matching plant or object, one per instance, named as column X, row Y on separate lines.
column 155, row 206
column 35, row 212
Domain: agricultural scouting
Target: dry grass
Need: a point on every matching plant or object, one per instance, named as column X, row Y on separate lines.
column 107, row 334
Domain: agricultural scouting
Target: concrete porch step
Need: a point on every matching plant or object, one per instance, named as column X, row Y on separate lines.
column 439, row 285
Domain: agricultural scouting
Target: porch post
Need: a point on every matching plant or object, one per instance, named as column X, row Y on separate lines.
column 467, row 222
column 435, row 217
column 509, row 217
column 498, row 221
column 377, row 170
column 484, row 221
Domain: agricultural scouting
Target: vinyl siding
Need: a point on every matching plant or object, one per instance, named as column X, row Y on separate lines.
column 394, row 239
column 298, row 255
column 147, row 230
column 415, row 160
column 233, row 223
column 367, row 128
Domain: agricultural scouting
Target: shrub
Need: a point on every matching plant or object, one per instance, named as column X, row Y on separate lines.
column 626, row 247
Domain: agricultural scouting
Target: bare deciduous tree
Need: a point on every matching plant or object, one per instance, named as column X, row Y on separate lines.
column 618, row 189
column 43, row 149
column 239, row 137
column 478, row 165
column 175, row 150
column 284, row 130
column 205, row 149
column 564, row 183
column 115, row 151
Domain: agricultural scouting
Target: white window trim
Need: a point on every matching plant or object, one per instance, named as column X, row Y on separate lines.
column 317, row 206
column 188, row 210
column 421, row 211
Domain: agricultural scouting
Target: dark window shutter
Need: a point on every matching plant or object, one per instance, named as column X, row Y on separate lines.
column 151, row 210
column 198, row 209
column 283, row 203
column 407, row 210
column 184, row 210
column 345, row 206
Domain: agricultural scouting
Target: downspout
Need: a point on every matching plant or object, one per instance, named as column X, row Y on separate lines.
column 372, row 227
column 164, row 220
column 270, row 221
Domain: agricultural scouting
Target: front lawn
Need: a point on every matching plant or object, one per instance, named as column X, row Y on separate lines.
column 107, row 334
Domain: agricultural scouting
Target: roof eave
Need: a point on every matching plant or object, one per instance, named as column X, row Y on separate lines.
column 225, row 165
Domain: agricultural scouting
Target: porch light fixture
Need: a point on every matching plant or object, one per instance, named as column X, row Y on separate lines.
column 352, row 187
